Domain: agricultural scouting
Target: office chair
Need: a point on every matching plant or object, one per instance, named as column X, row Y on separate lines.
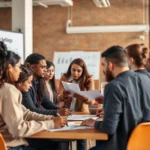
column 140, row 137
column 2, row 143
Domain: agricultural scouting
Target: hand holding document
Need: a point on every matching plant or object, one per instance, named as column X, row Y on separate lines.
column 74, row 88
column 66, row 94
column 71, row 87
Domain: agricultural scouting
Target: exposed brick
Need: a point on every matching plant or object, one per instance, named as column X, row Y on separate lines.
column 49, row 26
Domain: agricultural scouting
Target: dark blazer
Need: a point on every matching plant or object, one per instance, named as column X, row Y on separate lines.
column 126, row 104
column 143, row 71
column 30, row 101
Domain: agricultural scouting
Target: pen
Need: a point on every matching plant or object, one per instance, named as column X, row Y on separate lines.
column 59, row 116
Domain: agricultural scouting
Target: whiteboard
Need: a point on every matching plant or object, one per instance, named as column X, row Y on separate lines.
column 14, row 42
column 62, row 61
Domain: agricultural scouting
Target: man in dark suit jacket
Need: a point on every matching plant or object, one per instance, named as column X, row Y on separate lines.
column 36, row 99
column 126, row 101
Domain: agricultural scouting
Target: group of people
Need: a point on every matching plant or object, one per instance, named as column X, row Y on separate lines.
column 30, row 100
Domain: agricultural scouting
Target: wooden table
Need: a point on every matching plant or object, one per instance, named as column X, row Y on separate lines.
column 74, row 134
column 92, row 134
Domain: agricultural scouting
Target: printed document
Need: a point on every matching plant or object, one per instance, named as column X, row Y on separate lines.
column 81, row 117
column 74, row 88
column 71, row 126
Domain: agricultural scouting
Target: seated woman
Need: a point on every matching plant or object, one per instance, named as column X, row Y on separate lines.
column 77, row 73
column 50, row 84
column 25, row 80
column 17, row 122
column 23, row 84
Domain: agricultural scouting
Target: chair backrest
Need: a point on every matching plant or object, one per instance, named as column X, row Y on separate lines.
column 2, row 143
column 140, row 137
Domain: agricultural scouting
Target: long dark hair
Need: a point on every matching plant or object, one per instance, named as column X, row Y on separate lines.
column 52, row 82
column 139, row 53
column 85, row 74
column 6, row 58
column 24, row 75
column 80, row 62
column 33, row 59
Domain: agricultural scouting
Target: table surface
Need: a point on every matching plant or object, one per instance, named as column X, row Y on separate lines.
column 91, row 133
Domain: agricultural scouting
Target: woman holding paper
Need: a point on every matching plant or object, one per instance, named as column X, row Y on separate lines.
column 77, row 73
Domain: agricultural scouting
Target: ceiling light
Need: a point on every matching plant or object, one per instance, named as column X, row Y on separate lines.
column 102, row 3
column 44, row 5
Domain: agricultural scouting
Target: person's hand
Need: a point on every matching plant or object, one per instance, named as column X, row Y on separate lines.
column 100, row 112
column 59, row 121
column 100, row 100
column 64, row 112
column 81, row 97
column 88, row 122
column 66, row 94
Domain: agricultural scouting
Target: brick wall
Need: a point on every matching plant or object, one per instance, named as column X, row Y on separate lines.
column 49, row 25
column 5, row 19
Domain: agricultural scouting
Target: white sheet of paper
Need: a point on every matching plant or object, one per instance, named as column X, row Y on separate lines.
column 91, row 94
column 74, row 88
column 81, row 117
column 71, row 126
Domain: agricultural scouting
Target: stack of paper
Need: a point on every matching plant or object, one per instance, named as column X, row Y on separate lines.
column 81, row 117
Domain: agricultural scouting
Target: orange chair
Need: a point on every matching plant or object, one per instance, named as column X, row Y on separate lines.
column 140, row 137
column 2, row 143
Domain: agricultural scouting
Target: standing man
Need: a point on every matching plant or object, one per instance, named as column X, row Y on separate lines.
column 126, row 101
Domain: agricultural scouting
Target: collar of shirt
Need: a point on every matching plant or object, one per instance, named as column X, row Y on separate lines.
column 142, row 70
column 128, row 72
column 72, row 80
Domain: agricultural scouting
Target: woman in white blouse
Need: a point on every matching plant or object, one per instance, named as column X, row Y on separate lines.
column 50, row 84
